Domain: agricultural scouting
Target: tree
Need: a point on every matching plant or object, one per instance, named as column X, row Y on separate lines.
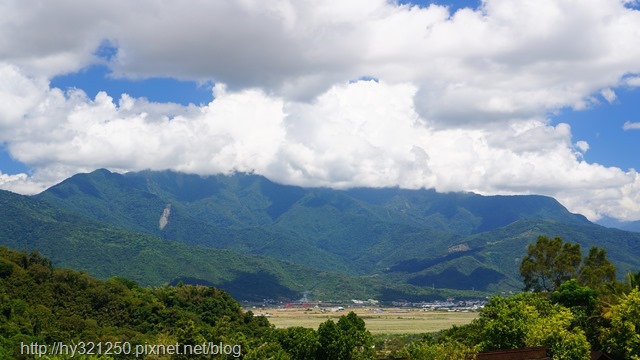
column 438, row 351
column 504, row 322
column 582, row 301
column 5, row 269
column 571, row 294
column 300, row 343
column 347, row 340
column 527, row 320
column 330, row 340
column 596, row 270
column 555, row 331
column 356, row 336
column 633, row 280
column 549, row 263
column 623, row 337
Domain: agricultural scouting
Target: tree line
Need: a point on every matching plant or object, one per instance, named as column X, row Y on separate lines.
column 571, row 304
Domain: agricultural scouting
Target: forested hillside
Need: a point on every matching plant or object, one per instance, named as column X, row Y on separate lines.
column 42, row 304
column 418, row 238
column 62, row 314
column 103, row 250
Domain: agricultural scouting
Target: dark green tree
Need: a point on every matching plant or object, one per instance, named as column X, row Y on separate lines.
column 549, row 263
column 347, row 340
column 300, row 343
column 596, row 270
column 571, row 294
column 330, row 341
column 356, row 336
column 39, row 303
column 582, row 301
column 5, row 269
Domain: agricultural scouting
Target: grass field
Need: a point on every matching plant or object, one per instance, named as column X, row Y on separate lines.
column 382, row 321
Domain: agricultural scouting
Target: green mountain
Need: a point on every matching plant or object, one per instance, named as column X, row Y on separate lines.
column 412, row 239
column 75, row 241
column 72, row 240
column 137, row 205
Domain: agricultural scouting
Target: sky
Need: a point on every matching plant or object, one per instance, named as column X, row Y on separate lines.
column 492, row 96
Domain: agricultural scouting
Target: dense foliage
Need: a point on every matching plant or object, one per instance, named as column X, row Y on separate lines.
column 577, row 307
column 42, row 304
column 623, row 334
column 551, row 262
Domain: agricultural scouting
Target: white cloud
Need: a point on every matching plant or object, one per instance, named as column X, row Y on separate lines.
column 631, row 126
column 503, row 61
column 19, row 95
column 13, row 182
column 365, row 133
column 609, row 95
column 461, row 103
column 583, row 146
column 632, row 81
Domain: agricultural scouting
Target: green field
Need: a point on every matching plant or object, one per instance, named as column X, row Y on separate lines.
column 384, row 321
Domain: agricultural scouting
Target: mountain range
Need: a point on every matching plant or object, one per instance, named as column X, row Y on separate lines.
column 256, row 238
column 622, row 225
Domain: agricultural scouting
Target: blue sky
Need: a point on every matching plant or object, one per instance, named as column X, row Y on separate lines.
column 514, row 97
column 602, row 126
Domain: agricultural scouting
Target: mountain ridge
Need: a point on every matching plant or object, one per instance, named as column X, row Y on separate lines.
column 620, row 225
column 72, row 240
column 356, row 232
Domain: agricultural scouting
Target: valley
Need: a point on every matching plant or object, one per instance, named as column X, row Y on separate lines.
column 390, row 321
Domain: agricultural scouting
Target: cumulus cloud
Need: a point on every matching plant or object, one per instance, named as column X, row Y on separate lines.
column 13, row 182
column 506, row 59
column 461, row 102
column 363, row 133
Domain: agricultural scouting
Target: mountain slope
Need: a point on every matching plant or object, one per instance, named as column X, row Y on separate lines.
column 104, row 251
column 621, row 225
column 493, row 258
column 418, row 237
column 127, row 203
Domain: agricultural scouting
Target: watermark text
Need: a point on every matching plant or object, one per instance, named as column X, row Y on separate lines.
column 127, row 348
